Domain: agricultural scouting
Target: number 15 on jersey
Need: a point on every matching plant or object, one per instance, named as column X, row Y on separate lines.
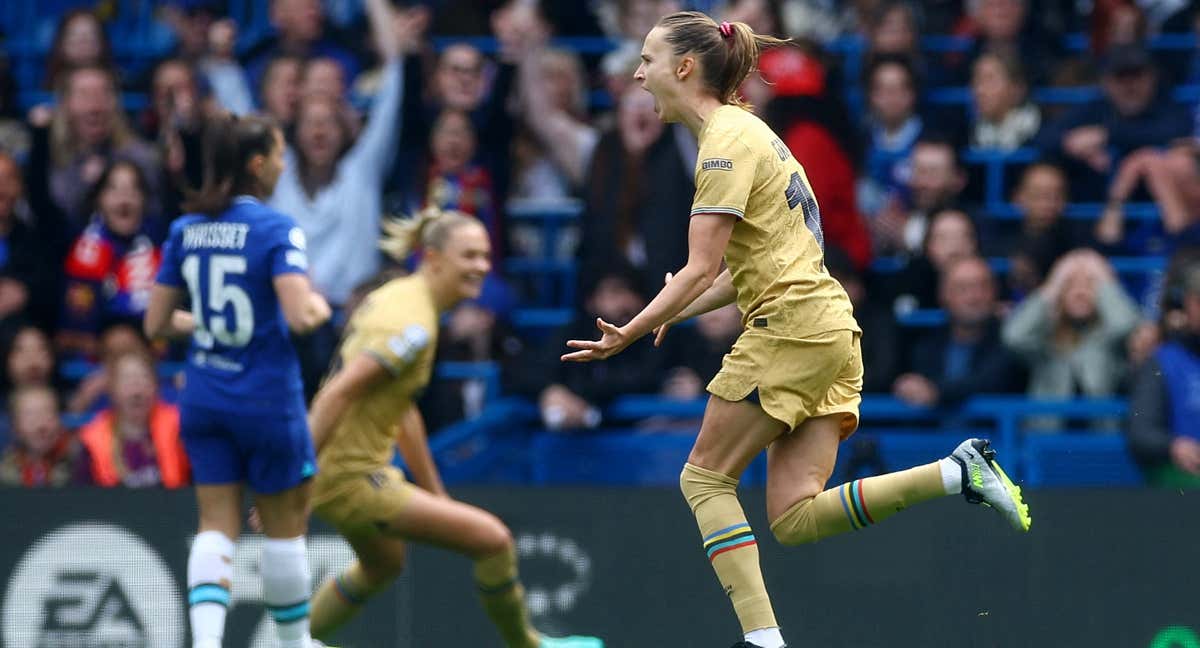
column 212, row 300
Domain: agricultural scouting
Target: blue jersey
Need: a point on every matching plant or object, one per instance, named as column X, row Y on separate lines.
column 241, row 357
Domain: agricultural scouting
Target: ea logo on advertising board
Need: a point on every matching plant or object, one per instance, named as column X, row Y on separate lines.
column 92, row 585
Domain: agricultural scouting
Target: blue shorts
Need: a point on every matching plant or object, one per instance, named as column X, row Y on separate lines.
column 271, row 453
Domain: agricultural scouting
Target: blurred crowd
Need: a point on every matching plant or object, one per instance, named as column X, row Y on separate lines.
column 383, row 118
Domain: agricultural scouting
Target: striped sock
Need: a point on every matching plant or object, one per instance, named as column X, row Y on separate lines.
column 338, row 599
column 210, row 575
column 729, row 544
column 286, row 588
column 728, row 539
column 854, row 506
column 503, row 599
column 858, row 504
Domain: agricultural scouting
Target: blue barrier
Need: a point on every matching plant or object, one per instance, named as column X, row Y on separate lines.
column 1079, row 460
column 542, row 318
column 1080, row 211
column 905, row 435
column 1003, row 414
column 1122, row 265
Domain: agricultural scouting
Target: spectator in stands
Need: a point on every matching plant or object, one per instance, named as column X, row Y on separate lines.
column 111, row 266
column 459, row 82
column 221, row 70
column 639, row 195
column 892, row 126
column 1071, row 332
column 1004, row 118
column 1043, row 235
column 1165, row 401
column 79, row 41
column 1132, row 114
column 409, row 24
column 1002, row 26
column 893, row 30
column 299, row 32
column 951, row 236
column 14, row 135
column 453, row 178
column 559, row 138
column 175, row 119
column 279, row 93
column 28, row 276
column 116, row 340
column 965, row 357
column 323, row 76
column 206, row 42
column 42, row 453
column 694, row 354
column 794, row 99
column 190, row 22
column 1172, row 179
column 881, row 343
column 765, row 17
column 28, row 362
column 135, row 441
column 174, row 94
column 937, row 179
column 572, row 395
column 1115, row 23
column 332, row 185
column 88, row 132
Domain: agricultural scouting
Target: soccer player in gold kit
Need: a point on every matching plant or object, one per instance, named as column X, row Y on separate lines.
column 366, row 408
column 791, row 384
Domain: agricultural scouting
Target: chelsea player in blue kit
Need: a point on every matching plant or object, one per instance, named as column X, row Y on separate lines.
column 243, row 269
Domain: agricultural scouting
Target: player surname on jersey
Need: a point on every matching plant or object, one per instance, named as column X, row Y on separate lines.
column 222, row 236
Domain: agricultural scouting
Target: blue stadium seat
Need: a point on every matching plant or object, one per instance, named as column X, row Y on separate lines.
column 1079, row 460
column 596, row 457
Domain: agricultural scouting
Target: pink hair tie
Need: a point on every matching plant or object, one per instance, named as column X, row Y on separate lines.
column 726, row 30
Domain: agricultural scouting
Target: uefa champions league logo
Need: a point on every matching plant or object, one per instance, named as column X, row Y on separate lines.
column 551, row 554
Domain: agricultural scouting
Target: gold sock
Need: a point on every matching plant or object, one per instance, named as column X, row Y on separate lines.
column 337, row 600
column 503, row 599
column 729, row 543
column 858, row 504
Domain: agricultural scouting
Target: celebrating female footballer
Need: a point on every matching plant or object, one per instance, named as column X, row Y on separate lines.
column 791, row 384
column 366, row 407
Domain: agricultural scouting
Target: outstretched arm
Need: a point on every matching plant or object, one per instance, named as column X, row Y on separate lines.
column 708, row 235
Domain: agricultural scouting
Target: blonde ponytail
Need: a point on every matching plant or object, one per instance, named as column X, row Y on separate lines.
column 428, row 228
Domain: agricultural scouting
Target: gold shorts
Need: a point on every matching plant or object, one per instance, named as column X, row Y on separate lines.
column 356, row 502
column 795, row 379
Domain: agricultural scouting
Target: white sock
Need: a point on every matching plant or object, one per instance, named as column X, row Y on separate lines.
column 951, row 476
column 209, row 577
column 766, row 638
column 287, row 586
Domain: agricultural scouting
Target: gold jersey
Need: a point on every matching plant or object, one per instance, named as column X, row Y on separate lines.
column 397, row 326
column 775, row 255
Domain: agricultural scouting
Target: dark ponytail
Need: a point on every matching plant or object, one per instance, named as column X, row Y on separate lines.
column 229, row 143
column 728, row 52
